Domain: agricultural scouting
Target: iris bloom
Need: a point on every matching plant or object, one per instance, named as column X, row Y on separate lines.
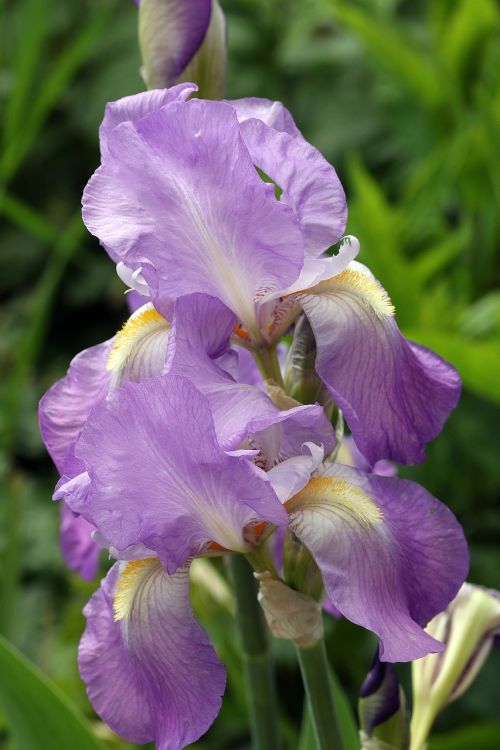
column 167, row 455
column 191, row 462
column 180, row 207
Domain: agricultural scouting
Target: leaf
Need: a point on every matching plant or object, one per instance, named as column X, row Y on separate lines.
column 478, row 362
column 465, row 29
column 391, row 47
column 432, row 261
column 345, row 717
column 37, row 713
column 476, row 737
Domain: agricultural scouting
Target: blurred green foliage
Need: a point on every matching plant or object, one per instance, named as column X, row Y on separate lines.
column 404, row 99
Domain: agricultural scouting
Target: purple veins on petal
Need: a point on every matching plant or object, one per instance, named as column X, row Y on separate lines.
column 394, row 394
column 154, row 446
column 391, row 555
column 150, row 671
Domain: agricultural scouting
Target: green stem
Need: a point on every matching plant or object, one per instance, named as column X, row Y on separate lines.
column 268, row 364
column 256, row 657
column 314, row 667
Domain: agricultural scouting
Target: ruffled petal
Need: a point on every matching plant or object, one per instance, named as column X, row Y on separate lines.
column 133, row 108
column 395, row 395
column 309, row 183
column 152, row 205
column 160, row 478
column 65, row 407
column 79, row 550
column 273, row 114
column 391, row 555
column 199, row 343
column 150, row 671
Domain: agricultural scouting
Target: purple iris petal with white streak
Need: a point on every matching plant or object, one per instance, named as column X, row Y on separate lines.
column 391, row 555
column 156, row 196
column 150, row 671
column 261, row 257
column 394, row 394
column 153, row 445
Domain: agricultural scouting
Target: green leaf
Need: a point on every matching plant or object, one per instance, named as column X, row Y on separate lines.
column 435, row 259
column 394, row 50
column 466, row 27
column 478, row 362
column 37, row 713
column 345, row 716
column 475, row 737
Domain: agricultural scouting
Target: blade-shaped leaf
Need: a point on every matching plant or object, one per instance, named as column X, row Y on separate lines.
column 37, row 713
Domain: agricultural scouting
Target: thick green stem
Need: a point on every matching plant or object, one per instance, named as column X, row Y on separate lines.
column 268, row 364
column 314, row 667
column 256, row 657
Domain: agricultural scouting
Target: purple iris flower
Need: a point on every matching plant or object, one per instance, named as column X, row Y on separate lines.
column 149, row 345
column 180, row 207
column 161, row 489
column 168, row 456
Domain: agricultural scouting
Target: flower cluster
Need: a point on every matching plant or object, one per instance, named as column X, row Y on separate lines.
column 177, row 439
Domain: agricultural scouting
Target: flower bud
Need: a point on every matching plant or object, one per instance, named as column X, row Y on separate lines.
column 300, row 569
column 382, row 710
column 468, row 628
column 183, row 40
column 301, row 379
column 289, row 614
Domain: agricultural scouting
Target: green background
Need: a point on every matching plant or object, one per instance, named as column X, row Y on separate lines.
column 404, row 99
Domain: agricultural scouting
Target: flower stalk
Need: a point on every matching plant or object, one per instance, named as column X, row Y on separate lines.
column 256, row 654
column 314, row 668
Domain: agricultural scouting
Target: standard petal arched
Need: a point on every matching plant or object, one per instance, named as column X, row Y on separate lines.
column 170, row 33
column 271, row 113
column 150, row 671
column 133, row 108
column 79, row 551
column 395, row 395
column 309, row 183
column 199, row 343
column 153, row 446
column 152, row 205
column 391, row 555
column 65, row 407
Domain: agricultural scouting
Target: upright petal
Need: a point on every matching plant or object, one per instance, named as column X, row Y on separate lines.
column 150, row 671
column 152, row 205
column 198, row 345
column 391, row 555
column 65, row 407
column 133, row 108
column 273, row 114
column 395, row 395
column 79, row 551
column 160, row 478
column 309, row 183
column 170, row 34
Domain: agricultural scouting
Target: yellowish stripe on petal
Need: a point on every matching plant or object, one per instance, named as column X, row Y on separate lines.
column 364, row 287
column 131, row 577
column 338, row 496
column 142, row 323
